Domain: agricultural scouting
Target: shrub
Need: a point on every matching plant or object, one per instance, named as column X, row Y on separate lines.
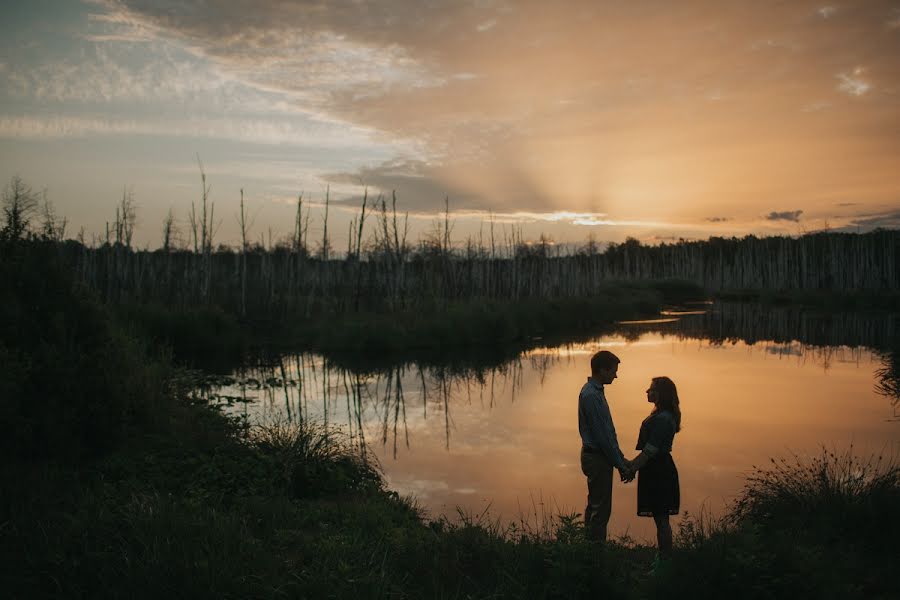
column 73, row 382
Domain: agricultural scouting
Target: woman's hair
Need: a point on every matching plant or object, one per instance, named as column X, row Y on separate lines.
column 667, row 399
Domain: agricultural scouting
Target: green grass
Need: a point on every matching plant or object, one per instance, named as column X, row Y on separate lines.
column 275, row 512
column 295, row 511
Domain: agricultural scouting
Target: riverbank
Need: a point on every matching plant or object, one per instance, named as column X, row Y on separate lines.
column 488, row 328
column 214, row 510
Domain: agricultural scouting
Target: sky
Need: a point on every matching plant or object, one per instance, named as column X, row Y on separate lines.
column 657, row 120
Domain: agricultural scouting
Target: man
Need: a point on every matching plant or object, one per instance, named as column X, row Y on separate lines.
column 600, row 451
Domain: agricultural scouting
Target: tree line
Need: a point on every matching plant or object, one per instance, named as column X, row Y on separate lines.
column 383, row 270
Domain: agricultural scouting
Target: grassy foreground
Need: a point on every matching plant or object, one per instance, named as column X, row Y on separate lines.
column 116, row 483
column 213, row 510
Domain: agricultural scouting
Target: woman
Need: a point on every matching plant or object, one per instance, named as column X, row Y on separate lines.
column 657, row 488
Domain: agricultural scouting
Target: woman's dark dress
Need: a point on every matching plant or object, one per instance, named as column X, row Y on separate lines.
column 658, row 492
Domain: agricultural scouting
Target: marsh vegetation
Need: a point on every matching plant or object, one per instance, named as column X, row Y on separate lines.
column 121, row 482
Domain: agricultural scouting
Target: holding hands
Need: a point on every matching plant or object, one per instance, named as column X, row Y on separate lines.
column 627, row 473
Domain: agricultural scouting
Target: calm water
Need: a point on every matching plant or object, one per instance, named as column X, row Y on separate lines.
column 505, row 438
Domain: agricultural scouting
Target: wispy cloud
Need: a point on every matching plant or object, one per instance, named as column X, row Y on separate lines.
column 563, row 217
column 815, row 106
column 486, row 26
column 852, row 83
column 246, row 130
column 127, row 74
column 787, row 215
column 887, row 220
column 279, row 47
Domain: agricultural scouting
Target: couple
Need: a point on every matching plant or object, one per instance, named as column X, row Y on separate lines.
column 658, row 492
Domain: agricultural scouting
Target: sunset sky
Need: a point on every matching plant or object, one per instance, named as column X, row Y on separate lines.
column 656, row 120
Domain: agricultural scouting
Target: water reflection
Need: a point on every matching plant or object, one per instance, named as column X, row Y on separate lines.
column 305, row 386
column 470, row 436
column 888, row 379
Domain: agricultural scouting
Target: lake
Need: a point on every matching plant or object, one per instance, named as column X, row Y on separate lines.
column 502, row 440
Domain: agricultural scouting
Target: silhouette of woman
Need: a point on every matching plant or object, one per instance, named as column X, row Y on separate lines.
column 658, row 493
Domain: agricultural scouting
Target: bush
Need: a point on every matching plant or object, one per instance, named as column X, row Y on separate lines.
column 315, row 461
column 822, row 527
column 199, row 337
column 73, row 382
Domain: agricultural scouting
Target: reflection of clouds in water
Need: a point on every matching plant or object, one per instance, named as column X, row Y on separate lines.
column 786, row 350
column 588, row 348
column 389, row 405
column 488, row 434
column 418, row 488
column 463, row 436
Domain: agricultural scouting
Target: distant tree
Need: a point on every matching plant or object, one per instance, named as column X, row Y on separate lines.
column 590, row 247
column 53, row 227
column 170, row 231
column 20, row 205
column 126, row 218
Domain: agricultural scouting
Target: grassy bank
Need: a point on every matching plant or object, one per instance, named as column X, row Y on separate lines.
column 214, row 510
column 199, row 336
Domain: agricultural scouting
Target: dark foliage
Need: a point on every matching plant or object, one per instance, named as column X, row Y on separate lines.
column 72, row 381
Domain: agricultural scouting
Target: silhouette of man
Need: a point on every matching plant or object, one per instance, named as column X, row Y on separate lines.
column 600, row 451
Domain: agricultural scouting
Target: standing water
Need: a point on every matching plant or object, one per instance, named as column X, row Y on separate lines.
column 503, row 440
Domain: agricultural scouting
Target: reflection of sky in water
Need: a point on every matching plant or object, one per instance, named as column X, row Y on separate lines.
column 507, row 438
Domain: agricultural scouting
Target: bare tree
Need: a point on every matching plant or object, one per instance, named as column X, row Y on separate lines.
column 192, row 219
column 300, row 227
column 20, row 204
column 245, row 229
column 170, row 231
column 325, row 250
column 53, row 227
column 126, row 217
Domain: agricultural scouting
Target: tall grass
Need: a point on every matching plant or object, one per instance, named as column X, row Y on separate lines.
column 833, row 496
column 823, row 526
column 315, row 460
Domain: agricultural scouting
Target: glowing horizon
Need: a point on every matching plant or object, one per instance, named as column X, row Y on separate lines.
column 581, row 118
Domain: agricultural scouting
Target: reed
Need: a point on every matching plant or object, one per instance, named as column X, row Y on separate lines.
column 829, row 495
column 315, row 460
column 808, row 526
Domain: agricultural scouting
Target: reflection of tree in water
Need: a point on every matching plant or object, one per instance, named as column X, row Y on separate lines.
column 380, row 401
column 823, row 337
column 888, row 382
column 753, row 322
column 303, row 386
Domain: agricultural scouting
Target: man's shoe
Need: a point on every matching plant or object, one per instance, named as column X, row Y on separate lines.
column 661, row 566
